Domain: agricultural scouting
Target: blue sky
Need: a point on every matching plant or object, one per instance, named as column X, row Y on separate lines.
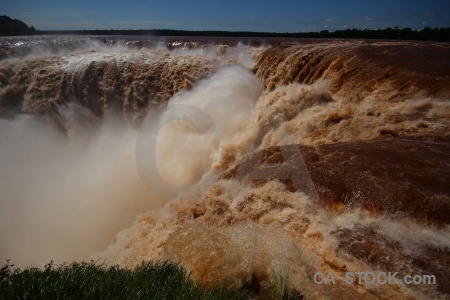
column 244, row 15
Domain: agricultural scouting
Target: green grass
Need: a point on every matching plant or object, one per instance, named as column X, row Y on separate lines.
column 94, row 281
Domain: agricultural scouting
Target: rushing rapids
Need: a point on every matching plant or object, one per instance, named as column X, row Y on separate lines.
column 327, row 157
column 107, row 77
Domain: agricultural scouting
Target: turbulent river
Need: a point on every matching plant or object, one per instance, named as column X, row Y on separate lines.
column 322, row 166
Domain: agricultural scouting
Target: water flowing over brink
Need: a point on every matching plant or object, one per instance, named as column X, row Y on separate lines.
column 315, row 156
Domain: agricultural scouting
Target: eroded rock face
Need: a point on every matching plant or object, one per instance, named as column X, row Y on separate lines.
column 401, row 177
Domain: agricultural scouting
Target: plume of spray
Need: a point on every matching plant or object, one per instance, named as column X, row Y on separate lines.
column 177, row 150
column 65, row 196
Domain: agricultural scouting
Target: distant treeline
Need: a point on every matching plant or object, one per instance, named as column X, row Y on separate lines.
column 9, row 26
column 427, row 34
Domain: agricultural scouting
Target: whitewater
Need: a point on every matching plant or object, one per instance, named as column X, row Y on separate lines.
column 248, row 161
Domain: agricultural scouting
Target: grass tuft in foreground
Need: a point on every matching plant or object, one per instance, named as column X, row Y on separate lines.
column 93, row 281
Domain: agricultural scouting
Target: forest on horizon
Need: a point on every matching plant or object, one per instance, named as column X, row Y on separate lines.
column 13, row 27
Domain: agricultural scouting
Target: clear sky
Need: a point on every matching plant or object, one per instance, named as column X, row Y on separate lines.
column 233, row 15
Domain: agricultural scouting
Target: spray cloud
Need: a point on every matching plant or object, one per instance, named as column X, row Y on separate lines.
column 65, row 196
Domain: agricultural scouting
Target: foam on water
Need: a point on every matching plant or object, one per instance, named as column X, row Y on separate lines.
column 196, row 167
